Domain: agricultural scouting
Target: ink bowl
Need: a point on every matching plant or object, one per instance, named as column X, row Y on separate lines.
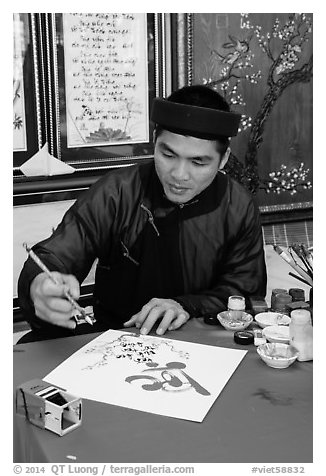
column 265, row 319
column 280, row 334
column 234, row 320
column 276, row 355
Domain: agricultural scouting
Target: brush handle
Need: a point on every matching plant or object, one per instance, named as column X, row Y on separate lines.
column 300, row 279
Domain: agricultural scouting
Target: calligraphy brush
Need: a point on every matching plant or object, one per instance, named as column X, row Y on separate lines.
column 299, row 251
column 300, row 279
column 285, row 256
column 307, row 255
column 295, row 258
column 295, row 252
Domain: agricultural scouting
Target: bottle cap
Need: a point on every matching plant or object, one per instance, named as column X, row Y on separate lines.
column 278, row 291
column 291, row 306
column 283, row 298
column 211, row 319
column 300, row 316
column 297, row 294
column 243, row 337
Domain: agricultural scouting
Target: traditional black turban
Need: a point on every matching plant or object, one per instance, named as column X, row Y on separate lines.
column 193, row 120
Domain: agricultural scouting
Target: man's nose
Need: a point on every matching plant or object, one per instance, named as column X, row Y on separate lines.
column 180, row 171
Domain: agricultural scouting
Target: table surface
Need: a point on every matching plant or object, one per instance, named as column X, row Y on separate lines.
column 263, row 415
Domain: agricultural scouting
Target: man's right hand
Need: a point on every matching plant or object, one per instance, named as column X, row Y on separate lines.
column 49, row 299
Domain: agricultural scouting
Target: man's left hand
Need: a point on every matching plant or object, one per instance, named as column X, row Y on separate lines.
column 170, row 312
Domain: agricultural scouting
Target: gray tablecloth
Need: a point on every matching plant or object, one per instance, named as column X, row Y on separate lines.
column 263, row 415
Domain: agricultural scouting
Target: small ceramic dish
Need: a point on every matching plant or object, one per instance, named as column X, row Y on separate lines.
column 265, row 319
column 234, row 320
column 279, row 334
column 276, row 355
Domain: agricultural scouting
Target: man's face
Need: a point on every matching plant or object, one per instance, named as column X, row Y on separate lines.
column 185, row 165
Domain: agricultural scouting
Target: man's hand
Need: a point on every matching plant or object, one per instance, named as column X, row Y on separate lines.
column 171, row 312
column 49, row 299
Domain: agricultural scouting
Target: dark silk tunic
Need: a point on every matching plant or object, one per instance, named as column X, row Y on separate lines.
column 197, row 253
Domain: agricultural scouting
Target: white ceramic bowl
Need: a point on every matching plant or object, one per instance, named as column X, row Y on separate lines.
column 265, row 319
column 279, row 334
column 276, row 355
column 234, row 320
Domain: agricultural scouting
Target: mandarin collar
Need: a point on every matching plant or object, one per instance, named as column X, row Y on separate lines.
column 205, row 201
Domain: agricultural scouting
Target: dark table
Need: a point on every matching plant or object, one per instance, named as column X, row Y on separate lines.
column 263, row 415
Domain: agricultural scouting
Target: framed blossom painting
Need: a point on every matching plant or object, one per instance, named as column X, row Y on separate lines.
column 262, row 64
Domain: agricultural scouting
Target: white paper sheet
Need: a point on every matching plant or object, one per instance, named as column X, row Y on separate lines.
column 152, row 374
column 106, row 78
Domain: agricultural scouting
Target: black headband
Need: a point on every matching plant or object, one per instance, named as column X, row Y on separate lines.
column 194, row 119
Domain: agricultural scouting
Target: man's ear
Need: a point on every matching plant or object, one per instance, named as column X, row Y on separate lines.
column 225, row 158
column 154, row 136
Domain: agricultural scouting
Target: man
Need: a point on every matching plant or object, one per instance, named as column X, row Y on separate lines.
column 174, row 238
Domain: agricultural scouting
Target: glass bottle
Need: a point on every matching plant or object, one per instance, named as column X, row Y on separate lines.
column 301, row 334
column 236, row 306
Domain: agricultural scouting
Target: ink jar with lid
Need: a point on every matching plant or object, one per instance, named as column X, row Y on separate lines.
column 275, row 292
column 280, row 303
column 297, row 294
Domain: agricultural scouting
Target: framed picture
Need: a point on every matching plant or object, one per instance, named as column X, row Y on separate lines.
column 107, row 68
column 262, row 64
column 27, row 111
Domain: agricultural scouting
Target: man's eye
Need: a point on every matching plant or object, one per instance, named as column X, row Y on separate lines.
column 166, row 154
column 198, row 162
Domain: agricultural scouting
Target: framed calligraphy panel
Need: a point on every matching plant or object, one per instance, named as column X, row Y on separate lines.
column 106, row 87
column 107, row 70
